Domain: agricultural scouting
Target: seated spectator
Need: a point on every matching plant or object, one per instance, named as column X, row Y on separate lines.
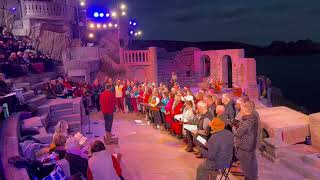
column 49, row 91
column 219, row 153
column 58, row 145
column 4, row 88
column 58, row 86
column 78, row 162
column 100, row 165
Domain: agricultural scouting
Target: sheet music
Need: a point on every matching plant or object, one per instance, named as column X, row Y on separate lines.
column 178, row 117
column 190, row 127
column 11, row 94
column 202, row 140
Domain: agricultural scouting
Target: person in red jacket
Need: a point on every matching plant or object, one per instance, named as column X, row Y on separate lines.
column 176, row 109
column 107, row 102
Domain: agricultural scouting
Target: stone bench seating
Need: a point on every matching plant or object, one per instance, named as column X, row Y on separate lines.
column 9, row 145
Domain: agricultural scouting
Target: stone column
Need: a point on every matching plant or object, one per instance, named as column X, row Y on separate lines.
column 153, row 64
column 251, row 79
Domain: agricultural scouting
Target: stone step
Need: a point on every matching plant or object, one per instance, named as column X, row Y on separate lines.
column 37, row 100
column 27, row 95
column 25, row 86
column 38, row 86
column 69, row 117
column 295, row 163
column 63, row 112
column 62, row 106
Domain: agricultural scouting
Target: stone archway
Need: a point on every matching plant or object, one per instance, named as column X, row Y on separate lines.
column 205, row 66
column 227, row 70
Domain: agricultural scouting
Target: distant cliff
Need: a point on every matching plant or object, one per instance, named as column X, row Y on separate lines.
column 275, row 48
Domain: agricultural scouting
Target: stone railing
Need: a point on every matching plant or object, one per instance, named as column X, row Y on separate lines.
column 137, row 57
column 48, row 10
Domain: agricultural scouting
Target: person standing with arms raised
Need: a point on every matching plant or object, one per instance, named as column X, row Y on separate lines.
column 107, row 102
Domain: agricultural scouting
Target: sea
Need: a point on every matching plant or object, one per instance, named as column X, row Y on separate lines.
column 298, row 77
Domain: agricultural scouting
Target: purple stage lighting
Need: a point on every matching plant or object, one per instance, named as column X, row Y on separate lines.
column 134, row 23
column 107, row 15
column 130, row 22
column 96, row 14
column 131, row 32
column 101, row 14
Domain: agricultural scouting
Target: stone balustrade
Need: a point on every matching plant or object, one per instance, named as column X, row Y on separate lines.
column 138, row 57
column 47, row 10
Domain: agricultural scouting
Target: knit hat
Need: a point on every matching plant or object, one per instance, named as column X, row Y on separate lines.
column 217, row 124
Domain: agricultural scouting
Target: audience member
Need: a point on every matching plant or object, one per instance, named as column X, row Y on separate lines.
column 219, row 153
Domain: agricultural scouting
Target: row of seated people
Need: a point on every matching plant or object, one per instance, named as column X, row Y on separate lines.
column 66, row 156
column 217, row 129
column 18, row 57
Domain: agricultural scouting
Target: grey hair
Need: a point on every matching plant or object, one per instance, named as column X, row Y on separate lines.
column 247, row 108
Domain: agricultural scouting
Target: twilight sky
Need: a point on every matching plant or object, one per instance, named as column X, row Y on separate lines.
column 251, row 21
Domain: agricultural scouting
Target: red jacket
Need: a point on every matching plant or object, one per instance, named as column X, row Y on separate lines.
column 177, row 110
column 107, row 102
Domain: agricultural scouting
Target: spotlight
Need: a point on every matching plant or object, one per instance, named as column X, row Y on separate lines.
column 91, row 35
column 110, row 24
column 82, row 3
column 113, row 14
column 96, row 14
column 123, row 13
column 101, row 14
column 13, row 9
column 98, row 26
column 131, row 32
column 115, row 25
column 135, row 34
column 91, row 25
column 139, row 33
column 104, row 25
column 130, row 22
column 123, row 6
column 107, row 14
column 134, row 23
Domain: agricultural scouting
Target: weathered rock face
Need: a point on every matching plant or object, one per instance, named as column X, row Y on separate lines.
column 52, row 39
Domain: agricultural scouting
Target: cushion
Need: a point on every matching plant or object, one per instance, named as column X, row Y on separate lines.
column 32, row 122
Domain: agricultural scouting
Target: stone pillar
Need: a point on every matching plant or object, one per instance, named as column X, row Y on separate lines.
column 251, row 80
column 197, row 63
column 153, row 64
column 315, row 129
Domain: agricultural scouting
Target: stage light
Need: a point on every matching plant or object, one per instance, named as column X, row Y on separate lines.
column 123, row 6
column 82, row 3
column 91, row 25
column 139, row 33
column 123, row 13
column 134, row 23
column 101, row 14
column 115, row 25
column 130, row 22
column 13, row 9
column 96, row 14
column 113, row 14
column 91, row 35
column 131, row 32
column 107, row 14
column 98, row 26
column 135, row 34
column 110, row 24
column 104, row 25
